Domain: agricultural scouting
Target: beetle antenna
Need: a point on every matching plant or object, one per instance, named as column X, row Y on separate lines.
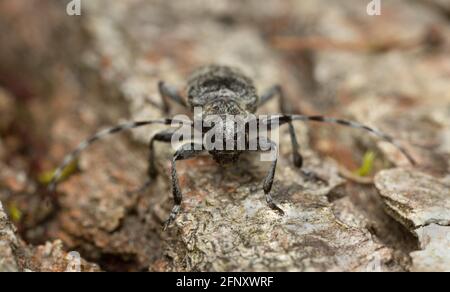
column 282, row 119
column 100, row 135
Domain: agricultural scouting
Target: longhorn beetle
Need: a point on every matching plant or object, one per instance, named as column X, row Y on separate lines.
column 219, row 90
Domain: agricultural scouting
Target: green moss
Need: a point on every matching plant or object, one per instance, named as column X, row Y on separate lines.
column 367, row 164
column 46, row 177
column 14, row 212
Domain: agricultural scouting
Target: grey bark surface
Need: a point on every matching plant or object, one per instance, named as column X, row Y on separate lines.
column 421, row 203
column 16, row 256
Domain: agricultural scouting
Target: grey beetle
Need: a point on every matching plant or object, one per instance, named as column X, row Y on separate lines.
column 219, row 91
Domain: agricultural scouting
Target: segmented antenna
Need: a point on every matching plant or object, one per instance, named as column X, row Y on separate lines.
column 282, row 119
column 100, row 135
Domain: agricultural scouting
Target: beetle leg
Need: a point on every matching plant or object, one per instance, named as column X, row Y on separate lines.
column 168, row 92
column 186, row 151
column 268, row 181
column 278, row 91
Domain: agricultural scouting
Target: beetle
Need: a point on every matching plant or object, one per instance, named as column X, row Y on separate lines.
column 219, row 91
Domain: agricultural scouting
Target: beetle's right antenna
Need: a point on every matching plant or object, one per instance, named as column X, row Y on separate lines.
column 282, row 119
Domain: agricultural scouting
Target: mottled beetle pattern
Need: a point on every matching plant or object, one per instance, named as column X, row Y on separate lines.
column 219, row 91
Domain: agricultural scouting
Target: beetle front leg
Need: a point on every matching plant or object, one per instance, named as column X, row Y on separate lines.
column 268, row 181
column 186, row 151
column 164, row 137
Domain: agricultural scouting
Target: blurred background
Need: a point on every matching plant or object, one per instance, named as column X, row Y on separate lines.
column 64, row 76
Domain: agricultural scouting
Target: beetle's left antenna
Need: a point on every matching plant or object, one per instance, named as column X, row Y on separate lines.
column 100, row 135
